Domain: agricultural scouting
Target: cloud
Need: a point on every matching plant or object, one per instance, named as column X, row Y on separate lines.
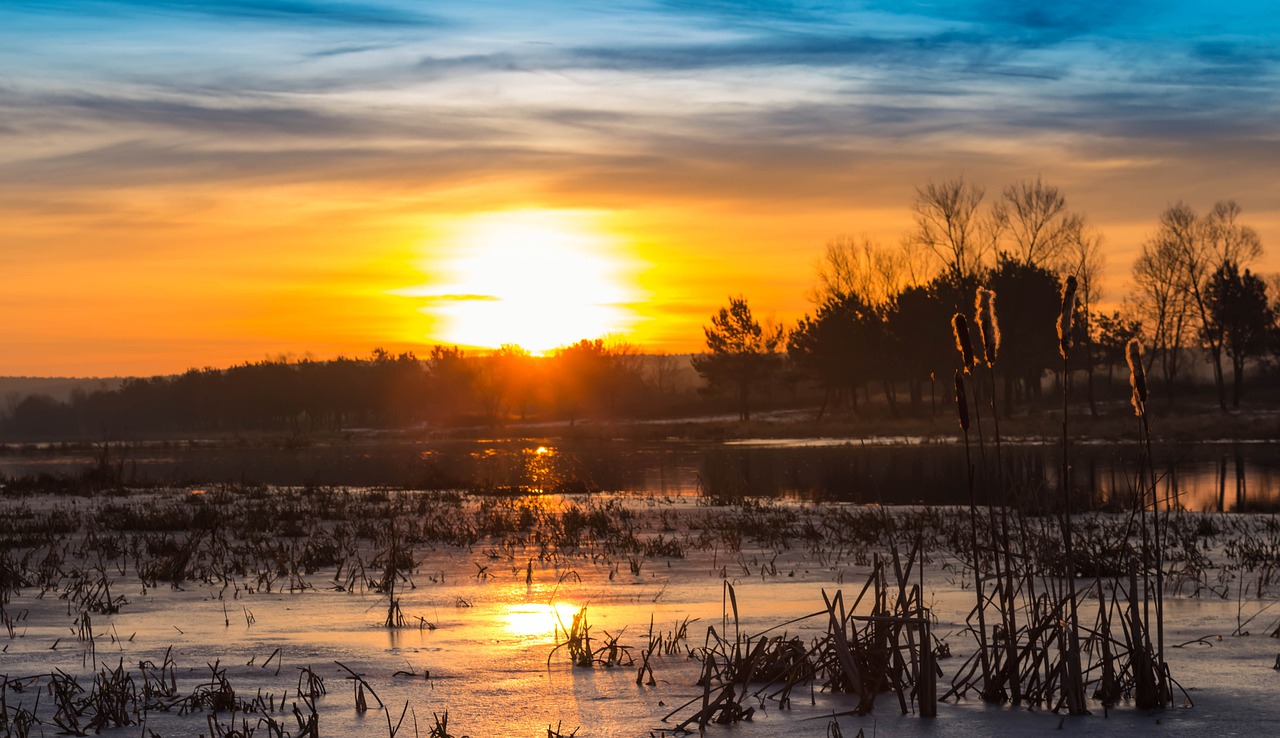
column 1234, row 64
column 793, row 49
column 801, row 96
column 1033, row 22
column 231, row 117
column 292, row 12
column 349, row 49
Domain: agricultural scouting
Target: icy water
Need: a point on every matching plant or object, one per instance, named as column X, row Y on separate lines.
column 489, row 669
column 483, row 621
column 1236, row 476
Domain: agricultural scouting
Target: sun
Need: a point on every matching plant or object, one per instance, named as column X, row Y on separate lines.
column 536, row 278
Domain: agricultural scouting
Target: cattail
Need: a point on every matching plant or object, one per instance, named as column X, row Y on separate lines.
column 962, row 404
column 1067, row 317
column 961, row 328
column 986, row 305
column 1137, row 375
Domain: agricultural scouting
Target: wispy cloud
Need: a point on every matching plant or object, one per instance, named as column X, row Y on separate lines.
column 349, row 49
column 292, row 12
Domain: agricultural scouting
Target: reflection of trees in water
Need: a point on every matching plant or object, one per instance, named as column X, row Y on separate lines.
column 1205, row 478
column 1228, row 477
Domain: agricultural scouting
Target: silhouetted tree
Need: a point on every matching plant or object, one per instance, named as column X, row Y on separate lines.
column 41, row 416
column 950, row 222
column 1114, row 333
column 505, row 382
column 453, row 378
column 867, row 270
column 1163, row 301
column 919, row 343
column 1035, row 222
column 1220, row 239
column 1029, row 306
column 1237, row 305
column 626, row 389
column 661, row 371
column 591, row 377
column 1173, row 274
column 1083, row 257
column 743, row 354
column 399, row 389
column 840, row 346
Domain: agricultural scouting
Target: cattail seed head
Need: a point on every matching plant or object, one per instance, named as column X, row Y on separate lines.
column 1067, row 317
column 1137, row 375
column 962, row 403
column 964, row 345
column 987, row 324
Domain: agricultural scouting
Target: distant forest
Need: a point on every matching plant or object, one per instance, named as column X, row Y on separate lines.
column 878, row 342
column 590, row 379
column 61, row 388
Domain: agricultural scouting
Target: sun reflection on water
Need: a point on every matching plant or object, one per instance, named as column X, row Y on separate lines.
column 538, row 622
column 524, row 470
column 540, row 468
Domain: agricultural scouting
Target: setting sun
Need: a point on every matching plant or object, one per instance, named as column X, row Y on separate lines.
column 536, row 278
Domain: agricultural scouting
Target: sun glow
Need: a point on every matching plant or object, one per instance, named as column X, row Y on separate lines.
column 537, row 278
column 536, row 621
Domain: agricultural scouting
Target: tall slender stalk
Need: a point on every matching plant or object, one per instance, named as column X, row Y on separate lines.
column 1152, row 689
column 989, row 327
column 1157, row 558
column 1074, row 686
column 979, row 589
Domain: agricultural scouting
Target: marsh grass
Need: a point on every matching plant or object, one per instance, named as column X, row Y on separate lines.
column 1025, row 568
column 878, row 641
column 556, row 732
column 440, row 726
column 576, row 641
column 888, row 647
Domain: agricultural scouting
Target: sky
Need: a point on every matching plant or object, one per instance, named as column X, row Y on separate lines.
column 190, row 183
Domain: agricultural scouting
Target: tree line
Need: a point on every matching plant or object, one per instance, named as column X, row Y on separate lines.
column 882, row 314
column 589, row 379
column 879, row 332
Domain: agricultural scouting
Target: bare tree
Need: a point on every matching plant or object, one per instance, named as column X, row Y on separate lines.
column 1272, row 281
column 663, row 372
column 1034, row 219
column 951, row 224
column 861, row 268
column 1082, row 256
column 1163, row 304
column 1202, row 246
column 918, row 265
column 1228, row 239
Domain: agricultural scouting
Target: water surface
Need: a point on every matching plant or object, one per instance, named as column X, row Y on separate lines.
column 1224, row 476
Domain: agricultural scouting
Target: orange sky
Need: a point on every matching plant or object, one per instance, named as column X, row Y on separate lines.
column 309, row 189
